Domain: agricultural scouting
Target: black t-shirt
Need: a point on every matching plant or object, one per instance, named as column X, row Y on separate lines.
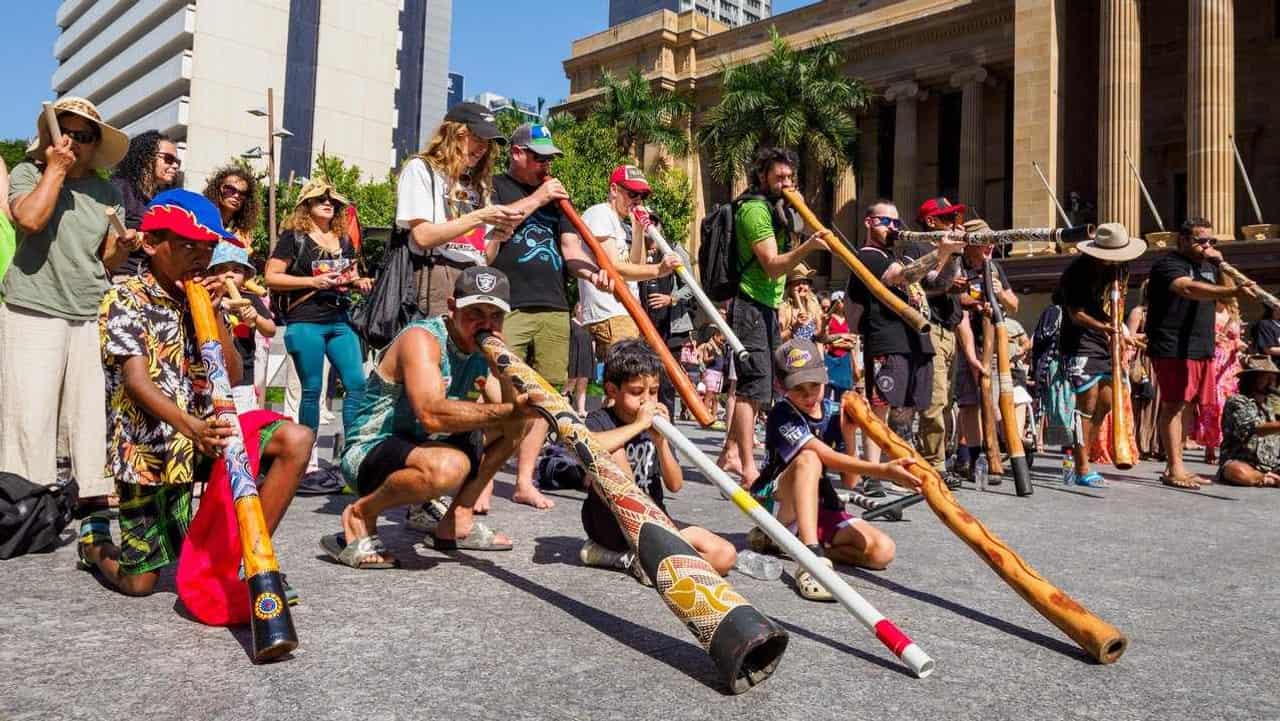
column 641, row 452
column 135, row 206
column 883, row 331
column 973, row 276
column 787, row 432
column 1264, row 334
column 1178, row 327
column 1086, row 286
column 245, row 337
column 531, row 257
column 304, row 259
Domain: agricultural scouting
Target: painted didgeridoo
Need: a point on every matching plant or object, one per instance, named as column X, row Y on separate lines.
column 987, row 405
column 1072, row 234
column 869, row 279
column 675, row 373
column 744, row 644
column 889, row 634
column 273, row 632
column 1102, row 641
column 1004, row 373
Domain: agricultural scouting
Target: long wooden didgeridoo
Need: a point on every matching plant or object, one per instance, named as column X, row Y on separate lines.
column 990, row 440
column 1098, row 638
column 675, row 373
column 889, row 634
column 1264, row 297
column 1004, row 373
column 1072, row 234
column 744, row 644
column 869, row 279
column 273, row 632
column 1121, row 422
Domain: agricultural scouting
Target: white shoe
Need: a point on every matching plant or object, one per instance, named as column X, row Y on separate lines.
column 425, row 517
column 327, row 416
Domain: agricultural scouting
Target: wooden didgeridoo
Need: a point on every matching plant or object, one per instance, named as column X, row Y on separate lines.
column 1121, row 423
column 1264, row 297
column 744, row 644
column 869, row 279
column 1098, row 638
column 990, row 439
column 675, row 373
column 273, row 632
column 1071, row 234
column 1004, row 375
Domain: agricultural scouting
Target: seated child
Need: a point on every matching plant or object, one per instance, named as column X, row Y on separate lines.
column 631, row 373
column 802, row 437
column 248, row 317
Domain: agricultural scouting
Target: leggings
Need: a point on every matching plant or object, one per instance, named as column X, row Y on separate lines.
column 308, row 344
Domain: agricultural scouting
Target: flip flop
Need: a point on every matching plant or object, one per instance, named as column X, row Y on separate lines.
column 481, row 538
column 1187, row 482
column 358, row 553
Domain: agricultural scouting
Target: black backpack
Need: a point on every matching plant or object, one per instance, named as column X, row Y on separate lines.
column 719, row 268
column 32, row 516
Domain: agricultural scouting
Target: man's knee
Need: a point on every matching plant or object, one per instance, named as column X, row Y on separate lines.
column 442, row 469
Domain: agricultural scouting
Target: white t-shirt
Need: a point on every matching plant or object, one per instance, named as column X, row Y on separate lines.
column 599, row 305
column 421, row 194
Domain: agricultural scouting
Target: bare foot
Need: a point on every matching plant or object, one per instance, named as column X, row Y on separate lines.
column 356, row 526
column 451, row 529
column 530, row 496
column 485, row 501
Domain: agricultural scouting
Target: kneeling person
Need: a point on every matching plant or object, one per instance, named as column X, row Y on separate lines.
column 415, row 438
column 1251, row 428
column 631, row 380
column 801, row 437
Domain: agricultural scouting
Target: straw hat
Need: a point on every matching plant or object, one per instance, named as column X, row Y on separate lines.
column 318, row 188
column 801, row 272
column 977, row 225
column 1112, row 242
column 1257, row 364
column 111, row 147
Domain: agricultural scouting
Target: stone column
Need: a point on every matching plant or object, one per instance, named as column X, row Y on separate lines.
column 845, row 218
column 1119, row 112
column 1211, row 114
column 972, row 161
column 907, row 97
column 1036, row 109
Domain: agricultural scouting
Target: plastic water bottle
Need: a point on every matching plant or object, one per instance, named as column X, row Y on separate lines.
column 1068, row 470
column 758, row 565
column 980, row 472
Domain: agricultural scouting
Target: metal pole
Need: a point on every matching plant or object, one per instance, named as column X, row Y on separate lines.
column 271, row 168
column 1143, row 186
column 1257, row 212
column 1049, row 189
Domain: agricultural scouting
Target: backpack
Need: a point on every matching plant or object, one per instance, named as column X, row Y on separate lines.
column 393, row 302
column 719, row 267
column 32, row 516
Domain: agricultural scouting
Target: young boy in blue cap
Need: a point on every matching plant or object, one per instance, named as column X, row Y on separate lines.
column 247, row 317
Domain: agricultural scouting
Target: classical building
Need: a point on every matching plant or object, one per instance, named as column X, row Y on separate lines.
column 971, row 93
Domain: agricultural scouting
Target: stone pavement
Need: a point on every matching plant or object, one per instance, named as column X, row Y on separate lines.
column 531, row 634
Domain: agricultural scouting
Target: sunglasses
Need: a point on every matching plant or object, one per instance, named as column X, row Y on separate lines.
column 231, row 190
column 538, row 158
column 171, row 159
column 887, row 222
column 633, row 195
column 84, row 137
column 326, row 200
column 1204, row 241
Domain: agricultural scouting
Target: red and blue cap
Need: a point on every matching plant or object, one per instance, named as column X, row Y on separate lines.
column 188, row 215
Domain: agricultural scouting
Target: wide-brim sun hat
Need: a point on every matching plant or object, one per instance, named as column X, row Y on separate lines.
column 1257, row 364
column 112, row 143
column 318, row 188
column 1112, row 242
column 800, row 272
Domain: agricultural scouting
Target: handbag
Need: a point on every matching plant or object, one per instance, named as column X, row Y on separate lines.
column 393, row 302
column 32, row 516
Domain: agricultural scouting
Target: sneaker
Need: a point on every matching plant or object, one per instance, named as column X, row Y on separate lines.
column 1092, row 479
column 425, row 517
column 760, row 542
column 593, row 554
column 871, row 488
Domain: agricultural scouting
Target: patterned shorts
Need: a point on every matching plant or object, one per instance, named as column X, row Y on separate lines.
column 153, row 522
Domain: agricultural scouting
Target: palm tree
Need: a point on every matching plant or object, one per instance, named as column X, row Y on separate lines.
column 640, row 115
column 794, row 98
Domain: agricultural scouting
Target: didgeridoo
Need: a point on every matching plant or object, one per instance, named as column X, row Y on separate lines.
column 252, row 286
column 1071, row 234
column 1104, row 642
column 869, row 279
column 113, row 220
column 273, row 632
column 744, row 644
column 51, row 120
column 990, row 440
column 1004, row 372
column 1264, row 297
column 1121, row 422
column 889, row 634
column 675, row 373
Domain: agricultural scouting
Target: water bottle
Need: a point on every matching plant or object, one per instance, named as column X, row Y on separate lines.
column 1068, row 470
column 758, row 565
column 980, row 472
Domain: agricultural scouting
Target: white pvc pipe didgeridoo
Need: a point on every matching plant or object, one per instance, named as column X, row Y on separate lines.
column 889, row 634
column 707, row 306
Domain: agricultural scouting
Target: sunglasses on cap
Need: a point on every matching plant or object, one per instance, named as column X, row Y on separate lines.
column 84, row 137
column 887, row 222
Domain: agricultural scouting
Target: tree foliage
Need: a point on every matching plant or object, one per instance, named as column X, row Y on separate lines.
column 794, row 98
column 640, row 115
column 13, row 151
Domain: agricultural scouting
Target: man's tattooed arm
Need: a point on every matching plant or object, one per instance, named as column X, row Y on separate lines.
column 914, row 271
column 940, row 282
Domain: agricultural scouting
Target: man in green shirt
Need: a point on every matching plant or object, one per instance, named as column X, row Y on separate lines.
column 763, row 234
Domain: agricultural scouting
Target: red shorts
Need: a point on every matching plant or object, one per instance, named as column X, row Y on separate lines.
column 829, row 524
column 1183, row 380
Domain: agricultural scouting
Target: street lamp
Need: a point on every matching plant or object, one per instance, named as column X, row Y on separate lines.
column 252, row 153
column 272, row 133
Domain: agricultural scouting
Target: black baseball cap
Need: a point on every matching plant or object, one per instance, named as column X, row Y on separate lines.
column 478, row 119
column 482, row 284
column 799, row 361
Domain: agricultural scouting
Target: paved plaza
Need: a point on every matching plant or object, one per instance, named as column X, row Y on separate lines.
column 532, row 634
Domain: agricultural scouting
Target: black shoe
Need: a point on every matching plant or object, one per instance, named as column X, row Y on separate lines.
column 872, row 488
column 953, row 480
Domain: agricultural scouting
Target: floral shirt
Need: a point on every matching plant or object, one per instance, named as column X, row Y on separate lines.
column 1240, row 418
column 138, row 317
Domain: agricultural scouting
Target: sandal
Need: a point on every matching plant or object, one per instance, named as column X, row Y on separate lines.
column 1092, row 479
column 359, row 553
column 481, row 538
column 809, row 587
column 1187, row 482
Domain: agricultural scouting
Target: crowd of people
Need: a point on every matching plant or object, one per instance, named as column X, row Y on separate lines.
column 101, row 379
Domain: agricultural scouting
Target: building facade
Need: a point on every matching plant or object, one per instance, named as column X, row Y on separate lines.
column 969, row 93
column 730, row 12
column 528, row 113
column 342, row 76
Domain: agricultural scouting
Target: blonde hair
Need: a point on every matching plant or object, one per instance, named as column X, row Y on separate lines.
column 446, row 153
column 791, row 306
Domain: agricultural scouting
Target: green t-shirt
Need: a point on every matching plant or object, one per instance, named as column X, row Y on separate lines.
column 57, row 271
column 751, row 224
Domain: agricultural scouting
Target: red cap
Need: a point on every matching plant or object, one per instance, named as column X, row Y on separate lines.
column 630, row 177
column 939, row 206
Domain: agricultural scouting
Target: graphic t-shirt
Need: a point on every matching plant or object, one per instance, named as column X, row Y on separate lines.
column 642, row 454
column 304, row 258
column 787, row 431
column 1086, row 287
column 973, row 276
column 1178, row 327
column 531, row 257
column 423, row 193
column 599, row 305
column 752, row 223
column 884, row 331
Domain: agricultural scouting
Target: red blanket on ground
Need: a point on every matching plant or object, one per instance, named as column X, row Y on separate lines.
column 209, row 582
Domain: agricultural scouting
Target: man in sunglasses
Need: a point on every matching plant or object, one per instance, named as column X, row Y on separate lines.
column 1181, row 296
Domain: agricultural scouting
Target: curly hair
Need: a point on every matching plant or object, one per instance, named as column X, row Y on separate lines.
column 138, row 167
column 300, row 219
column 245, row 220
column 446, row 153
column 764, row 160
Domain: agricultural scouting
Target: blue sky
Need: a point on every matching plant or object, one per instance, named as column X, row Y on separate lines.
column 498, row 45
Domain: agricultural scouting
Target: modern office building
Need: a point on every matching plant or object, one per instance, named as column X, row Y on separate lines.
column 357, row 79
column 730, row 12
column 495, row 102
column 457, row 86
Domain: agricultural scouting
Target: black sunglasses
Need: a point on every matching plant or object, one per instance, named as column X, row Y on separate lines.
column 1205, row 241
column 887, row 222
column 633, row 194
column 84, row 137
column 171, row 159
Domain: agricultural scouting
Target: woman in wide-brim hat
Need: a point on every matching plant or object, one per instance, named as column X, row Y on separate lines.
column 800, row 312
column 1251, row 428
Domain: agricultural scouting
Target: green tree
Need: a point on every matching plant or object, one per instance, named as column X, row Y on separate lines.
column 640, row 115
column 793, row 98
column 13, row 151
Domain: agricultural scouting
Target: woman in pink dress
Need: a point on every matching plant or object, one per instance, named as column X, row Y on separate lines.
column 1227, row 347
